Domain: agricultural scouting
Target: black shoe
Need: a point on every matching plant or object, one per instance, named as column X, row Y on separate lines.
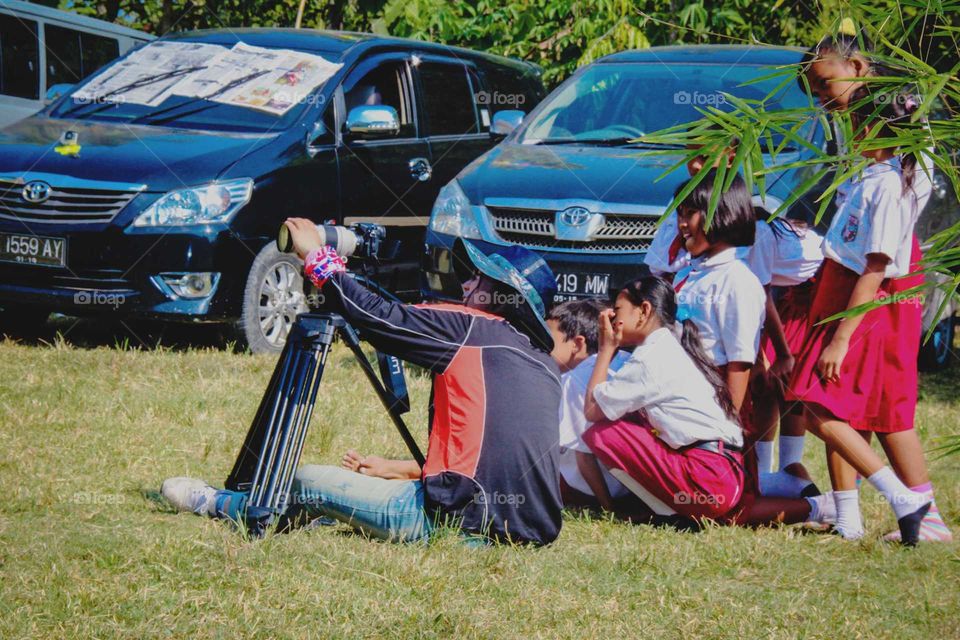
column 910, row 526
column 810, row 491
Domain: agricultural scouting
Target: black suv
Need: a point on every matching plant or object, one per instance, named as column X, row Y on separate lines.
column 168, row 210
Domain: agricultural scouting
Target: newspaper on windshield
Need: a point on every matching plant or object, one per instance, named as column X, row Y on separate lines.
column 149, row 75
column 271, row 80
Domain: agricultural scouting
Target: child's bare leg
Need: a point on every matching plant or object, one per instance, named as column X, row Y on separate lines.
column 905, row 453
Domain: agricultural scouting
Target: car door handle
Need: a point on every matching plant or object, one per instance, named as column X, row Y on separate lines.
column 420, row 169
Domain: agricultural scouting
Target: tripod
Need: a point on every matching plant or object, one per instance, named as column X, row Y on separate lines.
column 266, row 464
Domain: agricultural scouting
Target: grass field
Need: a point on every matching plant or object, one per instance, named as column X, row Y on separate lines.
column 89, row 431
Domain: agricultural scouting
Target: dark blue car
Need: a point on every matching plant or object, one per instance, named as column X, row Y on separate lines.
column 169, row 211
column 568, row 183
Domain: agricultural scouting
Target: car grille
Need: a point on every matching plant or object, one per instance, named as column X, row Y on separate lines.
column 620, row 233
column 65, row 205
column 111, row 280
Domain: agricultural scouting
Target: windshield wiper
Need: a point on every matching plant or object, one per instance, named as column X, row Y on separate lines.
column 136, row 84
column 152, row 116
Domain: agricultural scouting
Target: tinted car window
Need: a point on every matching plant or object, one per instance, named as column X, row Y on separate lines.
column 449, row 107
column 97, row 51
column 73, row 55
column 64, row 63
column 19, row 58
column 387, row 84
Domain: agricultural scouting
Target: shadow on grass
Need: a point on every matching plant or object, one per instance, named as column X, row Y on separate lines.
column 104, row 331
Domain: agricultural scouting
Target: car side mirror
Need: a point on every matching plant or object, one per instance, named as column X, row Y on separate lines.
column 373, row 121
column 56, row 91
column 504, row 122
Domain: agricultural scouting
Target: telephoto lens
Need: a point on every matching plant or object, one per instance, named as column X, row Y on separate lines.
column 343, row 240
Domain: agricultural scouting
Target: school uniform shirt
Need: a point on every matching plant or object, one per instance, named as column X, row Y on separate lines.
column 875, row 216
column 661, row 380
column 798, row 254
column 728, row 304
column 573, row 424
column 759, row 256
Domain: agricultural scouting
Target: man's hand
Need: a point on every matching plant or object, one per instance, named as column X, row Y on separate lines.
column 304, row 235
column 377, row 467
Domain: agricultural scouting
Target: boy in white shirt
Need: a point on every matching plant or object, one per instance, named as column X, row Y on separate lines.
column 573, row 325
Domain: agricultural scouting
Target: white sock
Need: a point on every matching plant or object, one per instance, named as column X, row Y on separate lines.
column 901, row 498
column 823, row 509
column 781, row 484
column 849, row 521
column 764, row 451
column 791, row 450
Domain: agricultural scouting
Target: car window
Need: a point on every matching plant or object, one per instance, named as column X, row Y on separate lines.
column 387, row 84
column 73, row 55
column 449, row 101
column 19, row 58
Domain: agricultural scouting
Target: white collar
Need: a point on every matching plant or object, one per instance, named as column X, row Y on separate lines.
column 724, row 257
column 660, row 334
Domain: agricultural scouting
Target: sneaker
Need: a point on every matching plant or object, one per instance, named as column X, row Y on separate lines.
column 189, row 494
column 932, row 528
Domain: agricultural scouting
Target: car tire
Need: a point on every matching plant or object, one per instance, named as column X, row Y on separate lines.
column 937, row 352
column 272, row 299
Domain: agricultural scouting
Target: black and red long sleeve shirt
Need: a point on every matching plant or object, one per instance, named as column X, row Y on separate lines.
column 491, row 463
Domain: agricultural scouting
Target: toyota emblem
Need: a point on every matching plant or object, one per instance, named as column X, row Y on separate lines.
column 574, row 216
column 35, row 192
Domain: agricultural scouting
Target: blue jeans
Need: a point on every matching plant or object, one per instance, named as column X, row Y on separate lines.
column 385, row 509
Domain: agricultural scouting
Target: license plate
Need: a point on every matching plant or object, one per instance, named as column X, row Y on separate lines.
column 42, row 250
column 582, row 285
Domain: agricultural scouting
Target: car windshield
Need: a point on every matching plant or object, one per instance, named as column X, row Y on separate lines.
column 615, row 103
column 181, row 91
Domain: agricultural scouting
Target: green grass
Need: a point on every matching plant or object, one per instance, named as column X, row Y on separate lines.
column 90, row 431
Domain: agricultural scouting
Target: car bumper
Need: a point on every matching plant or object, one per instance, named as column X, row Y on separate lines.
column 109, row 271
column 595, row 274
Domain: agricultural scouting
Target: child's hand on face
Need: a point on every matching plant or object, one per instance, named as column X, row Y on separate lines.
column 611, row 331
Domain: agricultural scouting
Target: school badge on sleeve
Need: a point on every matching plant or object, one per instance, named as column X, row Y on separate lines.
column 850, row 228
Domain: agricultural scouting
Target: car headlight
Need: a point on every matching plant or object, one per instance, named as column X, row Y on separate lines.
column 452, row 214
column 206, row 204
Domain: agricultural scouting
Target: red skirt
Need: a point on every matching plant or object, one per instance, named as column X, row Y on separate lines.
column 794, row 309
column 693, row 482
column 898, row 400
column 877, row 374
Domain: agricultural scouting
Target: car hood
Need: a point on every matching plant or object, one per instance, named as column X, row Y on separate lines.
column 160, row 157
column 603, row 174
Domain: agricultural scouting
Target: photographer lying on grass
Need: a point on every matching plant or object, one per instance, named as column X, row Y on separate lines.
column 491, row 462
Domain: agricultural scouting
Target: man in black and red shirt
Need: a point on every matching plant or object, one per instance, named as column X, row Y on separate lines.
column 491, row 463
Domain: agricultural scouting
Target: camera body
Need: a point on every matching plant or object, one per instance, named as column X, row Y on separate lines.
column 363, row 239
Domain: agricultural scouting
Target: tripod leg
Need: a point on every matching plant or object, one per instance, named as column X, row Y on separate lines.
column 350, row 337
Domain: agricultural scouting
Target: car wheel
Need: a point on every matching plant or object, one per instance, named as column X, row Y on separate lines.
column 937, row 352
column 272, row 300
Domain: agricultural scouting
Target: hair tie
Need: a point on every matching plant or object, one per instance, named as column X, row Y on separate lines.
column 847, row 27
column 683, row 313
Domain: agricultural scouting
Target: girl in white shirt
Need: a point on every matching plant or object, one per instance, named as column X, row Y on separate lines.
column 666, row 418
column 848, row 367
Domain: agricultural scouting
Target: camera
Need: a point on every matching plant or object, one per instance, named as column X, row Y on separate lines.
column 363, row 239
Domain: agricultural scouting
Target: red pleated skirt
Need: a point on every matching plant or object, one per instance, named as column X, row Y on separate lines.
column 794, row 309
column 877, row 389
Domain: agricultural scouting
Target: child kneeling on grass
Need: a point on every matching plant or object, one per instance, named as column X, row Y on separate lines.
column 665, row 422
